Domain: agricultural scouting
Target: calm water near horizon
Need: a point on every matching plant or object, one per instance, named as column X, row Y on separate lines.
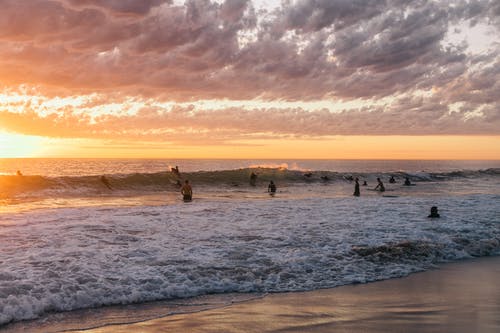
column 69, row 242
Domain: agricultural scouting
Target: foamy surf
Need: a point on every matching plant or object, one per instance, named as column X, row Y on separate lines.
column 69, row 259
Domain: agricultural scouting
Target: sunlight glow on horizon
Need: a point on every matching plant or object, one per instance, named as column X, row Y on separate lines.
column 18, row 145
column 336, row 147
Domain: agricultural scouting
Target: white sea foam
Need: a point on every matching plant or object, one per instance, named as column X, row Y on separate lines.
column 71, row 258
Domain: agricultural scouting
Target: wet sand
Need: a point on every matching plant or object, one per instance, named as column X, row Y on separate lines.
column 458, row 297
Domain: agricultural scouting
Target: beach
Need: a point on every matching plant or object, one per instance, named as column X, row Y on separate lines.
column 456, row 297
column 460, row 297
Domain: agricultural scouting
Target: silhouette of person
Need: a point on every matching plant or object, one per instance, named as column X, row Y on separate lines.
column 434, row 212
column 356, row 187
column 380, row 186
column 365, row 183
column 175, row 171
column 105, row 181
column 187, row 191
column 407, row 181
column 19, row 173
column 271, row 188
column 253, row 179
column 392, row 180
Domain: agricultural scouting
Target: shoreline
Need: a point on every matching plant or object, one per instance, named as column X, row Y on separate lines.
column 460, row 297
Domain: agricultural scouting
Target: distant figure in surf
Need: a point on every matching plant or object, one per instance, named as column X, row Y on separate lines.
column 325, row 178
column 434, row 212
column 176, row 171
column 187, row 191
column 392, row 180
column 365, row 183
column 19, row 173
column 253, row 179
column 308, row 174
column 356, row 187
column 407, row 182
column 349, row 178
column 271, row 188
column 105, row 181
column 380, row 186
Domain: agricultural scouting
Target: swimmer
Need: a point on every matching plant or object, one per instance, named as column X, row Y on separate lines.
column 380, row 186
column 187, row 191
column 308, row 174
column 325, row 178
column 407, row 182
column 434, row 212
column 392, row 180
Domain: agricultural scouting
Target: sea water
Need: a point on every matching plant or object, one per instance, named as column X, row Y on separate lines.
column 68, row 242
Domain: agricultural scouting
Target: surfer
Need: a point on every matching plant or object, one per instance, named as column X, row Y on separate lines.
column 407, row 182
column 253, row 179
column 176, row 171
column 308, row 174
column 356, row 187
column 187, row 191
column 105, row 181
column 380, row 186
column 434, row 212
column 325, row 178
column 271, row 188
column 365, row 183
column 392, row 180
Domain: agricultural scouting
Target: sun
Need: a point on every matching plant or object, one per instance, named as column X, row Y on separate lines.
column 18, row 145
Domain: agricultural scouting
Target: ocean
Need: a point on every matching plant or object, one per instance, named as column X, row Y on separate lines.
column 68, row 242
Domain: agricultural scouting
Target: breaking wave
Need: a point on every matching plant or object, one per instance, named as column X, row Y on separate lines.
column 26, row 186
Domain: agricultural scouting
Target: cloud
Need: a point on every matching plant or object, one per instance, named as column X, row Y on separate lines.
column 159, row 51
column 424, row 115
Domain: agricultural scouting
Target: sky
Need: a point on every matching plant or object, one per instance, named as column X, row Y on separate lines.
column 374, row 79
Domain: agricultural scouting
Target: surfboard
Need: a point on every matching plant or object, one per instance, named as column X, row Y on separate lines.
column 390, row 196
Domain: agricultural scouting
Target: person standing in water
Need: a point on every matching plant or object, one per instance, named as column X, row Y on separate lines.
column 380, row 186
column 271, row 188
column 356, row 187
column 187, row 191
column 407, row 181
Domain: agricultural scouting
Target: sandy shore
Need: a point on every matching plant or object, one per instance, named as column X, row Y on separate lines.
column 458, row 297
